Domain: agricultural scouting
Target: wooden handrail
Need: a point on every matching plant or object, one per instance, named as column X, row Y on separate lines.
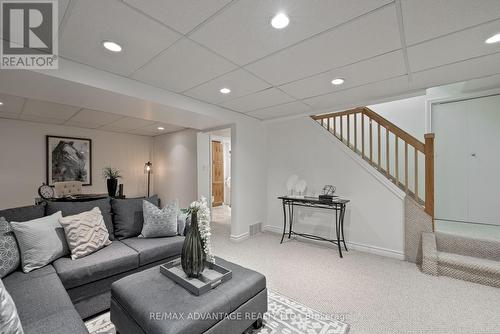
column 427, row 149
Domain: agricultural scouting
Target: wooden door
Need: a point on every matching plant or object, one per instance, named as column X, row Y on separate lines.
column 217, row 173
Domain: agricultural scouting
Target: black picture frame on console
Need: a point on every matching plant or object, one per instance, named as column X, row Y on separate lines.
column 68, row 159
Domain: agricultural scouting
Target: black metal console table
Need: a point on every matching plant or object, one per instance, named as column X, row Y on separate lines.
column 338, row 205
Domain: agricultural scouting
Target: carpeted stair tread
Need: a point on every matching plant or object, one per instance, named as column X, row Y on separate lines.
column 479, row 248
column 469, row 263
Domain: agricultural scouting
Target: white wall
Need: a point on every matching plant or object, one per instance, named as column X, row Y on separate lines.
column 175, row 167
column 374, row 219
column 23, row 159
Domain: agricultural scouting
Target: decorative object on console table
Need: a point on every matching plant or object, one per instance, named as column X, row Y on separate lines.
column 46, row 192
column 327, row 194
column 148, row 169
column 69, row 159
column 111, row 175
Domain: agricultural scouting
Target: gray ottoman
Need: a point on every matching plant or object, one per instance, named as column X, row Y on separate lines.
column 150, row 303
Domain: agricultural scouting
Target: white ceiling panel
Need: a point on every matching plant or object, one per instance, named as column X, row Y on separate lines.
column 259, row 100
column 183, row 66
column 371, row 70
column 93, row 21
column 127, row 124
column 92, row 119
column 243, row 32
column 182, row 15
column 152, row 130
column 282, row 110
column 9, row 115
column 11, row 104
column 360, row 39
column 362, row 95
column 49, row 110
column 469, row 69
column 454, row 47
column 426, row 19
column 240, row 82
column 40, row 119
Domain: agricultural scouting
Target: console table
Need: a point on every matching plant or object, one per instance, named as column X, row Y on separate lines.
column 337, row 204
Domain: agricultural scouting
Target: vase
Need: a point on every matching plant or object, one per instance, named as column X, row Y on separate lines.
column 193, row 255
column 112, row 185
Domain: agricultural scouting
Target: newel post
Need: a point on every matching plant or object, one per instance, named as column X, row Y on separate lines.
column 429, row 175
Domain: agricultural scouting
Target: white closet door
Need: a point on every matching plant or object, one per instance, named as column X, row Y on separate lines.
column 484, row 155
column 449, row 123
column 467, row 162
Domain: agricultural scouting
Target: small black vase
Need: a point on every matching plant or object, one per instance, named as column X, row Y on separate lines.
column 193, row 256
column 112, row 185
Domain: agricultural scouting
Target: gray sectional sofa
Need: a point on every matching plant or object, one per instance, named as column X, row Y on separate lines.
column 54, row 299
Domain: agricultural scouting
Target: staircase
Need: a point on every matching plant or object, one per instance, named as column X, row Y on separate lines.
column 392, row 151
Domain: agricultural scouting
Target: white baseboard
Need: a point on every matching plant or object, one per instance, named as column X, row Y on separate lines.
column 351, row 245
column 239, row 238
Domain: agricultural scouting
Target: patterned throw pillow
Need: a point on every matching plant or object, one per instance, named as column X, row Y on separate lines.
column 9, row 252
column 9, row 319
column 159, row 222
column 85, row 233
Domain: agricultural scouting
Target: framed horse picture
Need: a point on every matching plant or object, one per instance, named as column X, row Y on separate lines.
column 69, row 159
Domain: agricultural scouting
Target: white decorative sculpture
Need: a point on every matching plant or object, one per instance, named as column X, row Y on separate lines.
column 290, row 183
column 300, row 187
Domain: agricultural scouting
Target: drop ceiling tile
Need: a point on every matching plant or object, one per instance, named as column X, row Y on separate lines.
column 183, row 15
column 454, row 47
column 243, row 32
column 426, row 19
column 9, row 115
column 362, row 95
column 92, row 118
column 93, row 21
column 375, row 69
column 49, row 110
column 266, row 98
column 41, row 119
column 183, row 66
column 127, row 124
column 363, row 38
column 468, row 69
column 11, row 104
column 152, row 130
column 240, row 82
column 282, row 110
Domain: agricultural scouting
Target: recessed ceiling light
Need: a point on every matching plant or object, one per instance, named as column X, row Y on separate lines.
column 493, row 39
column 1, row 103
column 112, row 46
column 161, row 128
column 225, row 90
column 337, row 81
column 280, row 21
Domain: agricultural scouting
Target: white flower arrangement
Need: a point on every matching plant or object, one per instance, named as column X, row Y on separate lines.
column 203, row 215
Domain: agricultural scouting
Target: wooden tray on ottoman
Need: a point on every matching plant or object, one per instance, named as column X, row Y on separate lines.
column 211, row 277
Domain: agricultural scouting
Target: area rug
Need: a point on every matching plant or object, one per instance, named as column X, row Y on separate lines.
column 284, row 316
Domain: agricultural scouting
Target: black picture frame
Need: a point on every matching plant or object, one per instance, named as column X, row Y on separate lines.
column 74, row 170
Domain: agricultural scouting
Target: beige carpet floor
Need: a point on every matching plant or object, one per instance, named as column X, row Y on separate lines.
column 374, row 294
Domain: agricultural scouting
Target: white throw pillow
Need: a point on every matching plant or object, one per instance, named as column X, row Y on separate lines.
column 40, row 241
column 159, row 222
column 85, row 232
column 9, row 319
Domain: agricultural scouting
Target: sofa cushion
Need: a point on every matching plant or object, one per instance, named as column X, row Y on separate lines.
column 111, row 260
column 42, row 302
column 73, row 208
column 40, row 241
column 155, row 249
column 9, row 251
column 24, row 213
column 85, row 233
column 128, row 216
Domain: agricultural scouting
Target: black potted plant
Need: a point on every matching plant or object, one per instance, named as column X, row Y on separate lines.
column 111, row 175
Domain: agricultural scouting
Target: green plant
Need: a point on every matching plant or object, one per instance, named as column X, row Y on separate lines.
column 111, row 173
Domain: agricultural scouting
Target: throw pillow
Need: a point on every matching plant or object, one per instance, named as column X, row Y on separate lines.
column 182, row 218
column 9, row 319
column 159, row 222
column 74, row 208
column 9, row 253
column 41, row 241
column 128, row 216
column 85, row 233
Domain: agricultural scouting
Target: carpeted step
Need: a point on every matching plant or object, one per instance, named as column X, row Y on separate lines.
column 468, row 259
